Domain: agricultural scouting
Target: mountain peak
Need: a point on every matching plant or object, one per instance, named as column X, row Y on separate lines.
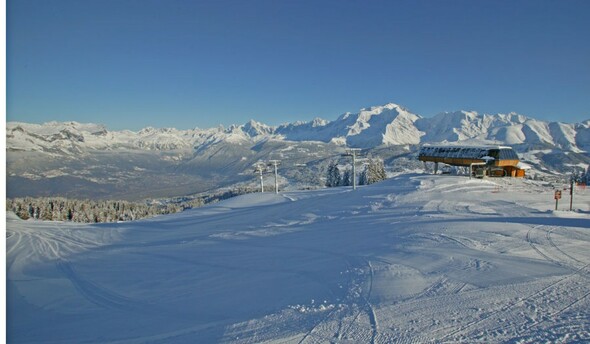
column 388, row 106
column 318, row 122
column 253, row 128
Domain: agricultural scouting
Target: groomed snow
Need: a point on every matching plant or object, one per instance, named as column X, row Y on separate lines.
column 416, row 258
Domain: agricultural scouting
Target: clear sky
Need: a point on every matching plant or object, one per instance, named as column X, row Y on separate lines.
column 168, row 63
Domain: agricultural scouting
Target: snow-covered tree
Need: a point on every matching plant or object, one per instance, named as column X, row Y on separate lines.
column 374, row 172
column 333, row 175
column 75, row 210
column 346, row 178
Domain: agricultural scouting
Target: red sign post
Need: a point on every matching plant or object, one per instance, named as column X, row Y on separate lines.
column 557, row 197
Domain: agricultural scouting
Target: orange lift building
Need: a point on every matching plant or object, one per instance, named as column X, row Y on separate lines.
column 493, row 161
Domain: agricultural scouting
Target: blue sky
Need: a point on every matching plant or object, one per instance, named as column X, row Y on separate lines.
column 184, row 64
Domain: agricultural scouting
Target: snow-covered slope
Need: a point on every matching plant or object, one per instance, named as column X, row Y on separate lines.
column 413, row 259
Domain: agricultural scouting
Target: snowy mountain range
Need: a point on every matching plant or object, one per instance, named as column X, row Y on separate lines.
column 389, row 124
column 218, row 156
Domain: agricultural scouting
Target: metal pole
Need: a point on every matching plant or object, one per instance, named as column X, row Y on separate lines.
column 352, row 152
column 353, row 170
column 276, row 180
column 571, row 193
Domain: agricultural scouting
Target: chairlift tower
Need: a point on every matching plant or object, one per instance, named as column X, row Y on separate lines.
column 260, row 169
column 275, row 163
column 353, row 153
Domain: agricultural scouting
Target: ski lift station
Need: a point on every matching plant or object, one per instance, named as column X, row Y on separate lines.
column 491, row 161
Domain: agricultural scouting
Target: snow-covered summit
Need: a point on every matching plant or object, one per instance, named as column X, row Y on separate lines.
column 389, row 124
column 254, row 128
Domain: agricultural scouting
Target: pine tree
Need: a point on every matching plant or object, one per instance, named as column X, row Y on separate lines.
column 363, row 177
column 374, row 172
column 379, row 170
column 333, row 176
column 22, row 211
column 346, row 178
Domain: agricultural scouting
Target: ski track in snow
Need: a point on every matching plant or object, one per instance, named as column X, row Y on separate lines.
column 556, row 287
column 96, row 294
column 412, row 260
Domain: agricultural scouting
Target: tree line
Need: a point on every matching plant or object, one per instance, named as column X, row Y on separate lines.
column 97, row 211
column 75, row 210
